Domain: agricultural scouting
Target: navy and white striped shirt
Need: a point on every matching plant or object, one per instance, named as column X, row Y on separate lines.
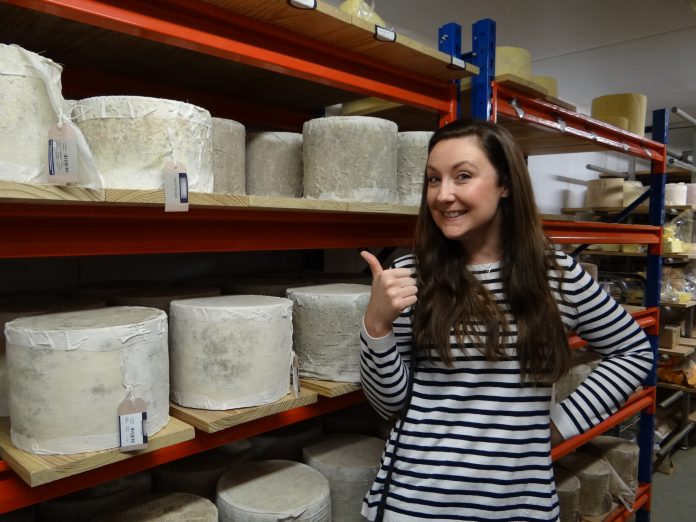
column 475, row 442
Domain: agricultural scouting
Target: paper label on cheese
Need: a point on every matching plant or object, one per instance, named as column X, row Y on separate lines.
column 175, row 188
column 62, row 155
column 132, row 423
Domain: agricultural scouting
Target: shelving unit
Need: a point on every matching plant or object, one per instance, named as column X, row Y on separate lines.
column 234, row 58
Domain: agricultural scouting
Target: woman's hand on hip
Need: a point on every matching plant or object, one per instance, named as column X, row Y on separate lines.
column 393, row 291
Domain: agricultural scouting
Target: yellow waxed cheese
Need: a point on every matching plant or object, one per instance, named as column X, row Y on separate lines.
column 628, row 105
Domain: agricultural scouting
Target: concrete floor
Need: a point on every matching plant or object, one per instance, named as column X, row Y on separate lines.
column 674, row 495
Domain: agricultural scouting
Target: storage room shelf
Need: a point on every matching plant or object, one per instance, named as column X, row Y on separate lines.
column 17, row 494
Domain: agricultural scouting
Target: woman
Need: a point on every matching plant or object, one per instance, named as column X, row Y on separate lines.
column 485, row 304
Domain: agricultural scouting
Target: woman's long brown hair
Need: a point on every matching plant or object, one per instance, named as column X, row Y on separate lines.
column 450, row 297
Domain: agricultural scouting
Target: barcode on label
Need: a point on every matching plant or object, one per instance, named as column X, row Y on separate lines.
column 61, row 157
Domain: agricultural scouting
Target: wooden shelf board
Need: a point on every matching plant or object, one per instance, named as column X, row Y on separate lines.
column 211, row 421
column 680, row 350
column 41, row 469
column 690, row 304
column 633, row 308
column 329, row 388
column 687, row 341
column 588, row 252
column 14, row 192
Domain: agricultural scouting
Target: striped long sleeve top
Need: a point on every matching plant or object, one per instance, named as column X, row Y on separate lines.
column 475, row 439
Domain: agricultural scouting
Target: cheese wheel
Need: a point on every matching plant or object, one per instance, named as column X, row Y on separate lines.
column 133, row 139
column 113, row 350
column 350, row 463
column 274, row 164
column 350, row 158
column 173, row 507
column 570, row 381
column 26, row 114
column 325, row 321
column 605, row 192
column 628, row 105
column 691, row 193
column 273, row 490
column 84, row 505
column 230, row 351
column 568, row 491
column 621, row 454
column 198, row 474
column 547, row 82
column 228, row 157
column 161, row 297
column 631, row 191
column 513, row 60
column 594, row 475
column 675, row 194
column 413, row 154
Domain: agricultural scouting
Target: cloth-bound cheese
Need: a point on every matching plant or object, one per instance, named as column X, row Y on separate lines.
column 273, row 490
column 133, row 139
column 230, row 351
column 114, row 351
column 325, row 319
column 350, row 158
column 228, row 157
column 413, row 154
column 26, row 113
column 274, row 164
column 174, row 507
column 350, row 463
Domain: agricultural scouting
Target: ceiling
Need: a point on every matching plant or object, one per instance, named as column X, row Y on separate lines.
column 592, row 47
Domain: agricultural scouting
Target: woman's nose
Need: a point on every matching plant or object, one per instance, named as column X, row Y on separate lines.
column 445, row 192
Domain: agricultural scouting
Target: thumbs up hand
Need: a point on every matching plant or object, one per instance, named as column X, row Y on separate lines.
column 393, row 291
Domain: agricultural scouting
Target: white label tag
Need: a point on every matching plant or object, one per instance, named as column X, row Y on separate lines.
column 132, row 424
column 303, row 4
column 457, row 63
column 62, row 155
column 175, row 188
column 295, row 373
column 384, row 35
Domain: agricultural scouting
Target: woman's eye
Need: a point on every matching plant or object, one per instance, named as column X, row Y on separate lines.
column 432, row 180
column 463, row 176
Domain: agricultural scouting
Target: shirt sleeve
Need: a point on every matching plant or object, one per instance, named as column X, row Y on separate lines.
column 627, row 356
column 384, row 361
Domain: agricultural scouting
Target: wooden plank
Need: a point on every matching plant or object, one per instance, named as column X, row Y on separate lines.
column 41, row 469
column 211, row 421
column 680, row 350
column 329, row 388
column 12, row 192
column 687, row 341
column 156, row 197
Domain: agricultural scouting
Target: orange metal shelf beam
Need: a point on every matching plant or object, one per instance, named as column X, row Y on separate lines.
column 646, row 319
column 642, row 499
column 50, row 230
column 560, row 120
column 204, row 28
column 637, row 402
column 15, row 494
column 571, row 232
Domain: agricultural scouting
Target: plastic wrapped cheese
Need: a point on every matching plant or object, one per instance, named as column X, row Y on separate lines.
column 115, row 351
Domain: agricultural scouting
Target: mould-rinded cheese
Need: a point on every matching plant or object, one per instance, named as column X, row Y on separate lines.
column 621, row 454
column 230, row 351
column 286, row 443
column 113, row 350
column 273, row 490
column 594, row 475
column 161, row 297
column 547, row 82
column 604, row 192
column 325, row 319
column 84, row 505
column 413, row 154
column 631, row 106
column 228, row 157
column 675, row 194
column 513, row 60
column 350, row 463
column 133, row 139
column 198, row 474
column 350, row 158
column 26, row 113
column 274, row 164
column 568, row 491
column 173, row 507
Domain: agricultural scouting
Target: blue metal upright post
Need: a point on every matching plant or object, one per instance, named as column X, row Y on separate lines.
column 483, row 56
column 449, row 40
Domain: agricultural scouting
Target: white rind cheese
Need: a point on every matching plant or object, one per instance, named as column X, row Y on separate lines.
column 26, row 114
column 230, row 351
column 350, row 463
column 350, row 158
column 325, row 319
column 174, row 507
column 413, row 154
column 273, row 490
column 133, row 138
column 112, row 350
column 228, row 157
column 274, row 164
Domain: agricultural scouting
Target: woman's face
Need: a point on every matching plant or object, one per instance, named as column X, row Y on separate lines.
column 463, row 194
